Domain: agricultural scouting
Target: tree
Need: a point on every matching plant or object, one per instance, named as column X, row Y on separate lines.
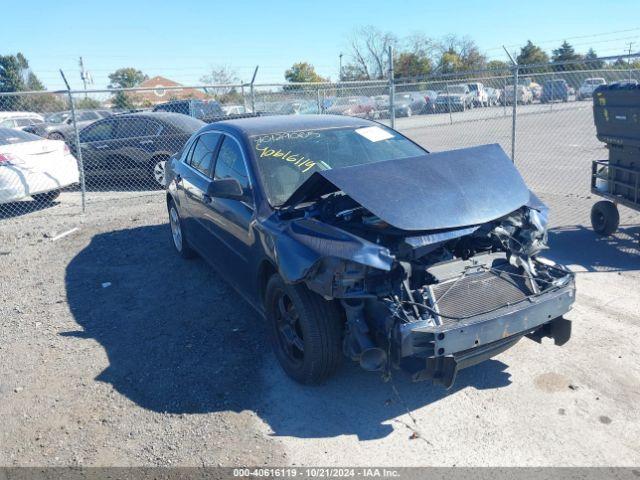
column 459, row 53
column 125, row 78
column 566, row 53
column 16, row 76
column 222, row 75
column 411, row 65
column 303, row 72
column 369, row 51
column 593, row 61
column 497, row 65
column 87, row 103
column 352, row 72
column 531, row 54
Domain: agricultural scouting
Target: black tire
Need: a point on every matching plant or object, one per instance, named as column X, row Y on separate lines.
column 45, row 198
column 305, row 331
column 605, row 217
column 56, row 136
column 182, row 247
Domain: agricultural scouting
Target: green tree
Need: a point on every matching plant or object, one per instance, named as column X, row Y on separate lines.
column 16, row 76
column 411, row 65
column 87, row 103
column 128, row 77
column 592, row 61
column 566, row 53
column 450, row 62
column 532, row 54
column 302, row 72
column 497, row 65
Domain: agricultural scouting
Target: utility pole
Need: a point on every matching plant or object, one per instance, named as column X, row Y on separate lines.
column 629, row 60
column 85, row 76
column 340, row 73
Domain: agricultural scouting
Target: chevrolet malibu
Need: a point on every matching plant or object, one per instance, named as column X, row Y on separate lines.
column 352, row 240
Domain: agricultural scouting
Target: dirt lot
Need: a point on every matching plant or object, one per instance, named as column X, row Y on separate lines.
column 113, row 351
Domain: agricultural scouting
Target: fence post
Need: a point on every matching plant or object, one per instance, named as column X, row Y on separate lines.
column 318, row 100
column 78, row 151
column 446, row 86
column 253, row 94
column 504, row 97
column 515, row 113
column 392, row 93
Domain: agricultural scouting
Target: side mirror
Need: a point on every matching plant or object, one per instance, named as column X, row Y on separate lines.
column 69, row 121
column 226, row 188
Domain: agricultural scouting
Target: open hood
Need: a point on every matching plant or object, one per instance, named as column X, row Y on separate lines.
column 435, row 191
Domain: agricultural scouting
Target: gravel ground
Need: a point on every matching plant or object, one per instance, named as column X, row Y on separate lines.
column 113, row 351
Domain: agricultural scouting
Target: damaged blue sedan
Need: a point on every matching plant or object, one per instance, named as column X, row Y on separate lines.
column 350, row 239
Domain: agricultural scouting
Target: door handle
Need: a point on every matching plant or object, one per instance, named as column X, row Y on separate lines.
column 102, row 147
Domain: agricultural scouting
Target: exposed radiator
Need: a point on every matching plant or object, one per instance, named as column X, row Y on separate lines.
column 481, row 292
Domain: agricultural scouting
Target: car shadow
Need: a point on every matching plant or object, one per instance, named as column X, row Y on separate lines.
column 579, row 245
column 180, row 340
column 18, row 209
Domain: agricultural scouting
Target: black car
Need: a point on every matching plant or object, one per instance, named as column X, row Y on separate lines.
column 134, row 146
column 350, row 238
column 207, row 111
column 59, row 125
column 556, row 91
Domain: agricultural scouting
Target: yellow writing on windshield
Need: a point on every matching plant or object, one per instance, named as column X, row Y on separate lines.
column 297, row 160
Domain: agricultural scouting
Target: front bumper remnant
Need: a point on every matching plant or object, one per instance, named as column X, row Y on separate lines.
column 445, row 349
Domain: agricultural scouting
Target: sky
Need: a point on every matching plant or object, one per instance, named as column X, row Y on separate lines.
column 184, row 39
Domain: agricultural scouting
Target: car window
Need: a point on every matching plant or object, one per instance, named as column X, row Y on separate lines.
column 286, row 159
column 137, row 127
column 23, row 122
column 201, row 157
column 8, row 123
column 96, row 132
column 230, row 163
column 9, row 136
column 86, row 116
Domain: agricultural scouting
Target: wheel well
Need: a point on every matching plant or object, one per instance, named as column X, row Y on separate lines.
column 265, row 271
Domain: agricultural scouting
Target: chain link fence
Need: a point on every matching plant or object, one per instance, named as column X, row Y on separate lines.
column 63, row 152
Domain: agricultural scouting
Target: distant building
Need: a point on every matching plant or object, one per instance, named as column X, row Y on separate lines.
column 160, row 94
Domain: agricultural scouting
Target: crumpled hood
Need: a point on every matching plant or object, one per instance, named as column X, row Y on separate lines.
column 435, row 191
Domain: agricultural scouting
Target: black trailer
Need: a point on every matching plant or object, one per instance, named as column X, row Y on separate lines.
column 616, row 112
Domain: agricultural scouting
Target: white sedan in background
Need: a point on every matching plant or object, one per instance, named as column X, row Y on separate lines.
column 31, row 166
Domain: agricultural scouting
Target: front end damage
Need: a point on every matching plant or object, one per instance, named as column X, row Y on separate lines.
column 428, row 301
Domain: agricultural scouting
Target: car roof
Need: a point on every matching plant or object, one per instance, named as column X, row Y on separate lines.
column 169, row 116
column 287, row 123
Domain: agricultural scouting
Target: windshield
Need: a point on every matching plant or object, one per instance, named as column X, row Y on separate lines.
column 285, row 160
column 58, row 117
column 345, row 101
column 9, row 136
column 473, row 87
column 403, row 97
column 457, row 89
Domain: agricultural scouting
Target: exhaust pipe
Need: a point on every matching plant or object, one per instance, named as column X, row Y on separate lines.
column 358, row 344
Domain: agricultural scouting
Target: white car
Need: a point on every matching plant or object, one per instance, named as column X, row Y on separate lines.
column 234, row 109
column 19, row 120
column 588, row 86
column 31, row 166
column 480, row 95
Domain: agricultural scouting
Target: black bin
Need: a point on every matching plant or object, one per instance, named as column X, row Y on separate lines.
column 616, row 113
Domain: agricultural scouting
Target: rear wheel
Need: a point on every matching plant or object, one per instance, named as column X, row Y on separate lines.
column 157, row 172
column 55, row 136
column 180, row 242
column 605, row 217
column 305, row 331
column 47, row 197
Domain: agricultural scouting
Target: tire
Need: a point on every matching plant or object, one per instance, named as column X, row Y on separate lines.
column 178, row 233
column 56, row 136
column 46, row 198
column 157, row 172
column 605, row 217
column 305, row 331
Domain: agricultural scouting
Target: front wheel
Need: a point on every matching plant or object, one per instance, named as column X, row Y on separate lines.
column 605, row 217
column 305, row 331
column 157, row 172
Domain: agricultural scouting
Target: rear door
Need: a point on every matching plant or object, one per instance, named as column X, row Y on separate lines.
column 96, row 142
column 194, row 180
